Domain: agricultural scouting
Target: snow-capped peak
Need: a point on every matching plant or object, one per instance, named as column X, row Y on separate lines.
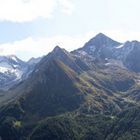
column 13, row 57
column 11, row 70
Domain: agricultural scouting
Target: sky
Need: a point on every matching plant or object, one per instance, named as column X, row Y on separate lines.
column 32, row 28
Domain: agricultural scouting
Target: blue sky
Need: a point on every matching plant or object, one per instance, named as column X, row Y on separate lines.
column 33, row 27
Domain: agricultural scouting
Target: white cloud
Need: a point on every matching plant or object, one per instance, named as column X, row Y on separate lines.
column 123, row 36
column 68, row 6
column 30, row 47
column 28, row 10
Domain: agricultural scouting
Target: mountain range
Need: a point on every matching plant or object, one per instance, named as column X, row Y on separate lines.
column 90, row 93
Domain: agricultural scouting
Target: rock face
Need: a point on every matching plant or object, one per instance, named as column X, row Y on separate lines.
column 132, row 57
column 99, row 47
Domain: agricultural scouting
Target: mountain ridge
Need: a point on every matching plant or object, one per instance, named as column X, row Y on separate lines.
column 81, row 95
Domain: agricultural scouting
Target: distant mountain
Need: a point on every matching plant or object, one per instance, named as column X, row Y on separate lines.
column 34, row 61
column 13, row 70
column 102, row 48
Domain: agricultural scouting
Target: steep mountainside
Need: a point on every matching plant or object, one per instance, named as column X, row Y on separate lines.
column 129, row 55
column 60, row 84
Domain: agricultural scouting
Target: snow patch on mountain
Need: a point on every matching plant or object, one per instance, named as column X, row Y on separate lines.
column 120, row 46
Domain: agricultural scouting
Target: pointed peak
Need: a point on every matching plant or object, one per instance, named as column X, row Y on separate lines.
column 102, row 40
column 101, row 36
column 56, row 53
column 58, row 50
column 12, row 57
